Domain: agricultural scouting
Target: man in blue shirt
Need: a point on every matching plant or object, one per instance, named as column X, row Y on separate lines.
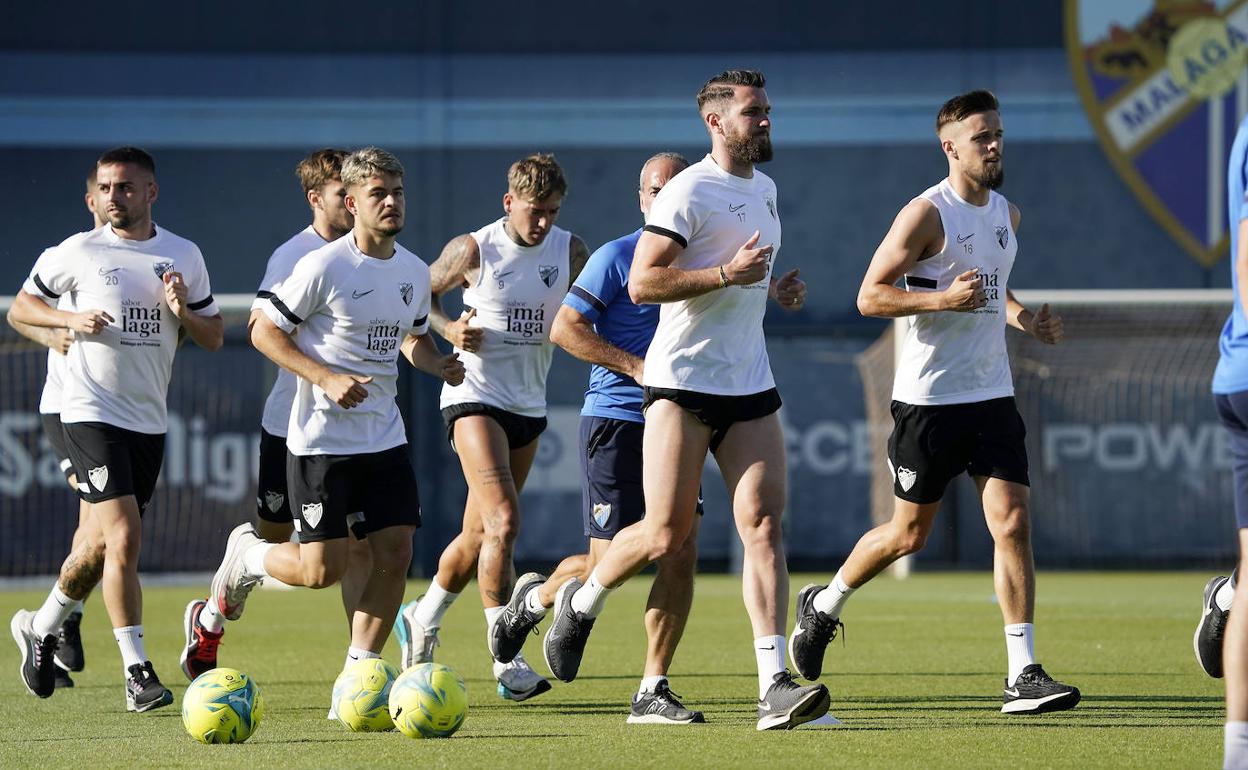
column 1230, row 395
column 599, row 323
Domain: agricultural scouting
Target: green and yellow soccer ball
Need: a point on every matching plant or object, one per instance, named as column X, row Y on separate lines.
column 362, row 695
column 222, row 706
column 429, row 701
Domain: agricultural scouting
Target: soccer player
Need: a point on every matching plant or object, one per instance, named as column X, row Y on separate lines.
column 515, row 272
column 138, row 286
column 600, row 324
column 707, row 253
column 953, row 396
column 1220, row 614
column 358, row 304
column 320, row 176
column 69, row 653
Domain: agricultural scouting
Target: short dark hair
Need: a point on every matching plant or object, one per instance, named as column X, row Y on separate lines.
column 964, row 105
column 133, row 155
column 719, row 87
column 91, row 180
column 320, row 168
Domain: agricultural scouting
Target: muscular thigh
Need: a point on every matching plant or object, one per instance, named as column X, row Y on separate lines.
column 751, row 458
column 486, row 461
column 674, row 448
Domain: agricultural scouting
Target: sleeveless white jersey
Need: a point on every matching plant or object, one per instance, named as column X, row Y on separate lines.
column 353, row 312
column 517, row 294
column 120, row 376
column 277, row 405
column 714, row 343
column 958, row 358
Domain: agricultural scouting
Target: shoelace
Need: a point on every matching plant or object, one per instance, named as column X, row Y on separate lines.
column 823, row 629
column 664, row 693
column 44, row 649
column 207, row 646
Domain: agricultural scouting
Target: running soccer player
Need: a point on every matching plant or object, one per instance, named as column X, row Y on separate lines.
column 953, row 396
column 358, row 304
column 707, row 254
column 69, row 654
column 141, row 286
column 515, row 272
column 204, row 624
column 600, row 324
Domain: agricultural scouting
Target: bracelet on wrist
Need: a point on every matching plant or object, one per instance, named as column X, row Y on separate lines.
column 723, row 278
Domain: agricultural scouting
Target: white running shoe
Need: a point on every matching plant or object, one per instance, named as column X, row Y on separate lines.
column 231, row 583
column 518, row 681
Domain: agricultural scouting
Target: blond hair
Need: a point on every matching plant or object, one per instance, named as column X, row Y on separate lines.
column 362, row 165
column 536, row 177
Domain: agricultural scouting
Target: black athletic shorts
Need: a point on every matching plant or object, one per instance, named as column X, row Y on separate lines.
column 55, row 433
column 113, row 462
column 1232, row 410
column 271, row 497
column 330, row 494
column 611, row 491
column 719, row 413
column 931, row 445
column 521, row 431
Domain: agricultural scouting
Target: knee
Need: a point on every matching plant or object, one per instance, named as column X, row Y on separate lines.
column 683, row 561
column 321, row 575
column 909, row 539
column 392, row 558
column 360, row 554
column 1012, row 523
column 666, row 541
column 121, row 542
column 503, row 523
column 762, row 531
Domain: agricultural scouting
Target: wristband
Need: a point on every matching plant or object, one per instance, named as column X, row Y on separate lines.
column 723, row 278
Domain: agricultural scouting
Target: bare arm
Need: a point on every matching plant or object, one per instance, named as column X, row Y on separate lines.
column 1043, row 324
column 578, row 255
column 422, row 352
column 574, row 333
column 916, row 233
column 53, row 339
column 33, row 311
column 208, row 331
column 459, row 260
column 346, row 390
column 653, row 279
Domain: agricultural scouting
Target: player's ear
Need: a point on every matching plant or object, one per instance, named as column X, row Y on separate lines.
column 348, row 200
column 153, row 191
column 507, row 199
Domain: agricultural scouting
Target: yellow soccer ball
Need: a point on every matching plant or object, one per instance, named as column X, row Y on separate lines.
column 222, row 706
column 362, row 694
column 429, row 701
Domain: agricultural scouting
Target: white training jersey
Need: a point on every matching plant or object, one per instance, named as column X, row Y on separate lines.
column 518, row 291
column 957, row 358
column 282, row 395
column 714, row 343
column 50, row 398
column 353, row 312
column 121, row 375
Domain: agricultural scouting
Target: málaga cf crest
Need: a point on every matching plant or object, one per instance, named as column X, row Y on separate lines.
column 1165, row 85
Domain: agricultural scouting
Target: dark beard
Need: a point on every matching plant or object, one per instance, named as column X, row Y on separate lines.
column 749, row 149
column 120, row 220
column 991, row 179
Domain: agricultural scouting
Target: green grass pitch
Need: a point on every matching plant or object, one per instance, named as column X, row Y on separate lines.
column 917, row 684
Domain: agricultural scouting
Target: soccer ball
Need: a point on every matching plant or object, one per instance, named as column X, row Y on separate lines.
column 222, row 706
column 429, row 701
column 361, row 694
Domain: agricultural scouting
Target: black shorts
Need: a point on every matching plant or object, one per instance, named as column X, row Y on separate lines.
column 113, row 462
column 330, row 494
column 271, row 498
column 521, row 431
column 931, row 445
column 611, row 490
column 719, row 413
column 55, row 434
column 1233, row 412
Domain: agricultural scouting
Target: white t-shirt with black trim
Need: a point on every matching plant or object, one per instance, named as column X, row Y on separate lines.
column 714, row 343
column 121, row 375
column 353, row 312
column 281, row 263
column 50, row 398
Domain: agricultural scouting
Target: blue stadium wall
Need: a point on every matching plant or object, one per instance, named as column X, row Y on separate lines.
column 228, row 96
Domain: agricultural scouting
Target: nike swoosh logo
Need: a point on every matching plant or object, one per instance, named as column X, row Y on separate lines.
column 1013, row 693
column 772, row 647
column 1019, row 635
column 963, row 238
column 358, row 294
column 106, row 272
column 498, row 275
column 736, row 208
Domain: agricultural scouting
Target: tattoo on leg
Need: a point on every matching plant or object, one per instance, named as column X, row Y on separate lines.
column 81, row 572
column 500, row 474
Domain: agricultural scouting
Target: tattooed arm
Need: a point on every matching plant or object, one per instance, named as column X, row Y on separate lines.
column 578, row 255
column 455, row 267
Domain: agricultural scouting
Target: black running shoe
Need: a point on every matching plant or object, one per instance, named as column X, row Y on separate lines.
column 1035, row 692
column 564, row 644
column 69, row 644
column 37, row 667
column 788, row 704
column 517, row 621
column 812, row 633
column 61, row 679
column 662, row 707
column 144, row 691
column 1207, row 641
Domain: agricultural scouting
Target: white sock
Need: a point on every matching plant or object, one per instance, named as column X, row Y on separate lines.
column 130, row 641
column 77, row 607
column 356, row 653
column 533, row 602
column 769, row 652
column 1020, row 647
column 253, row 559
column 491, row 615
column 210, row 616
column 591, row 597
column 436, row 601
column 1235, row 746
column 831, row 599
column 1224, row 596
column 52, row 614
column 648, row 684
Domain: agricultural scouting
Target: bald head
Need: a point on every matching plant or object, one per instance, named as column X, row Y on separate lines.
column 655, row 173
